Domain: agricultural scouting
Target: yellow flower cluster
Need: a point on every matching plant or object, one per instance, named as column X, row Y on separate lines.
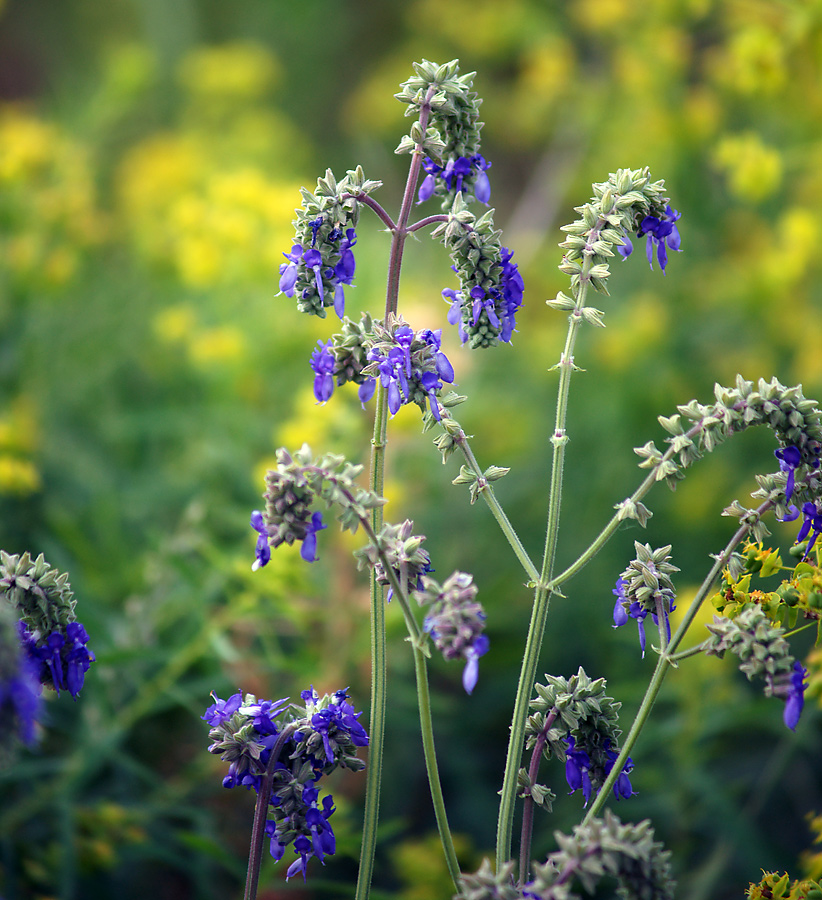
column 197, row 201
column 48, row 209
column 18, row 440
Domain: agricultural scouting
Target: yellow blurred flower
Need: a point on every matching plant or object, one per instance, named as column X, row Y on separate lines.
column 48, row 206
column 754, row 170
column 753, row 60
column 604, row 15
column 223, row 344
column 239, row 70
column 18, row 476
column 175, row 323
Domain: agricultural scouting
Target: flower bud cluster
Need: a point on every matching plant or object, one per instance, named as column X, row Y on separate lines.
column 697, row 429
column 321, row 262
column 763, row 651
column 491, row 287
column 629, row 853
column 644, row 588
column 293, row 487
column 575, row 721
column 456, row 622
column 452, row 139
column 410, row 365
column 628, row 202
column 50, row 635
column 404, row 553
column 310, row 741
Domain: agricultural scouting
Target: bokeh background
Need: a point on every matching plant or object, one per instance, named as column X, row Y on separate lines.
column 150, row 159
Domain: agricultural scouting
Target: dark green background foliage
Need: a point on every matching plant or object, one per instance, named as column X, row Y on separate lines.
column 150, row 160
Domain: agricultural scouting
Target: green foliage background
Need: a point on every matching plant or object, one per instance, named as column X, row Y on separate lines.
column 150, row 159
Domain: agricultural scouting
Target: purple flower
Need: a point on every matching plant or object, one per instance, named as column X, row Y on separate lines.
column 577, row 770
column 222, row 710
column 290, row 270
column 323, row 363
column 482, row 186
column 622, row 786
column 796, row 696
column 620, row 613
column 263, row 549
column 626, row 249
column 662, row 234
column 638, row 611
column 308, row 551
column 790, row 458
column 344, row 271
column 62, row 659
column 454, row 174
column 811, row 526
column 470, row 673
column 20, row 700
column 429, row 183
column 410, row 364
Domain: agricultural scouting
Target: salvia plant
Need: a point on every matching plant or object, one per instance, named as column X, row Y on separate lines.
column 284, row 750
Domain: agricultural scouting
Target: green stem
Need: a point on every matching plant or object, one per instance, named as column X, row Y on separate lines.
column 666, row 661
column 487, row 493
column 542, row 594
column 429, row 752
column 399, row 232
column 376, row 731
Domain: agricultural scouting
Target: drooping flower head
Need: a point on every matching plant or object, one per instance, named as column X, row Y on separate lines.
column 321, row 262
column 456, row 622
column 53, row 639
column 644, row 588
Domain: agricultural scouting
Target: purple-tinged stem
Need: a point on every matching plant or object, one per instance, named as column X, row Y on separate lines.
column 528, row 806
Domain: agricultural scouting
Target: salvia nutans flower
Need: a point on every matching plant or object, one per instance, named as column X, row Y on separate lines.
column 293, row 487
column 49, row 635
column 410, row 365
column 578, row 723
column 662, row 234
column 645, row 587
column 321, row 262
column 491, row 287
column 408, row 559
column 453, row 165
column 455, row 620
column 763, row 651
column 325, row 735
column 628, row 202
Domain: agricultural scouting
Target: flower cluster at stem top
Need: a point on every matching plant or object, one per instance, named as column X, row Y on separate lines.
column 311, row 742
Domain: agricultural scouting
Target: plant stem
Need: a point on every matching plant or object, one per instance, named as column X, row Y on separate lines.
column 487, row 492
column 399, row 232
column 429, row 752
column 666, row 661
column 528, row 803
column 542, row 593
